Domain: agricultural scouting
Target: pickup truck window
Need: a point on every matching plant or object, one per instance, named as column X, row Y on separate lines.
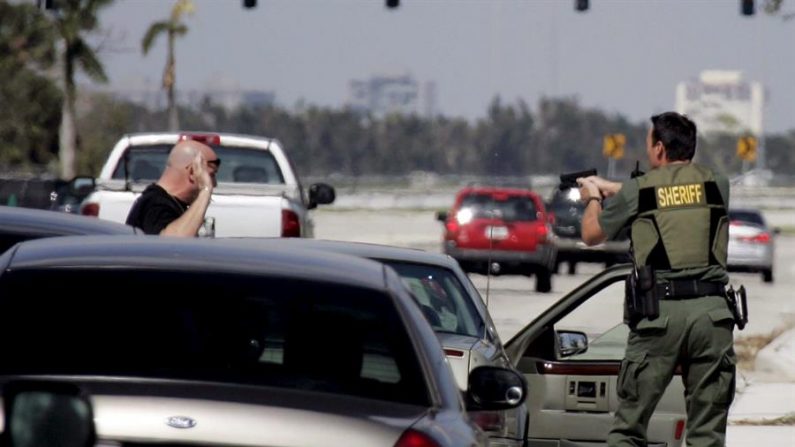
column 221, row 327
column 239, row 164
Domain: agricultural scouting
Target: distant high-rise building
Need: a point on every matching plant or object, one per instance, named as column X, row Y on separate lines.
column 385, row 94
column 722, row 101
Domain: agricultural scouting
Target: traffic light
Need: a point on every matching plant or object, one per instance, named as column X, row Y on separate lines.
column 747, row 7
column 613, row 146
column 581, row 5
column 392, row 3
column 746, row 148
column 249, row 3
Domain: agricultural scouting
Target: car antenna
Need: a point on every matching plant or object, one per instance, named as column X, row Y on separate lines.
column 488, row 259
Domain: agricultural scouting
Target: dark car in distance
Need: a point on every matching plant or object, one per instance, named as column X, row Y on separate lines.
column 566, row 213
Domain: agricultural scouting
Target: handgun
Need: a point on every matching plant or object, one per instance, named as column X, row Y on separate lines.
column 568, row 181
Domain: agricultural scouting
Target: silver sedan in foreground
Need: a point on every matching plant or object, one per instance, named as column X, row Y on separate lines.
column 257, row 347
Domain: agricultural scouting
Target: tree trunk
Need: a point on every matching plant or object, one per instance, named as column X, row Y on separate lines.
column 173, row 117
column 67, row 136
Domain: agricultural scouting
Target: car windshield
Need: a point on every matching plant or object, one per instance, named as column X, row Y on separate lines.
column 238, row 164
column 237, row 329
column 751, row 217
column 442, row 298
column 500, row 206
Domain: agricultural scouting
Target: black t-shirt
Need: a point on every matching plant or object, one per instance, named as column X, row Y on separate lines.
column 155, row 209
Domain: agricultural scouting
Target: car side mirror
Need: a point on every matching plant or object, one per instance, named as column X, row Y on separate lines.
column 441, row 216
column 82, row 185
column 47, row 413
column 571, row 343
column 493, row 388
column 321, row 194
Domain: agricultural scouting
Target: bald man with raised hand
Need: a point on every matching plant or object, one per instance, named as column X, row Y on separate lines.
column 175, row 205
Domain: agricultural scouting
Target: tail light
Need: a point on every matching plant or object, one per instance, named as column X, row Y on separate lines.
column 291, row 226
column 414, row 438
column 680, row 429
column 543, row 231
column 488, row 420
column 212, row 139
column 453, row 352
column 761, row 238
column 90, row 209
column 451, row 225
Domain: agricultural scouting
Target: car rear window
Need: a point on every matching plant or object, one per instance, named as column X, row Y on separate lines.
column 238, row 164
column 442, row 298
column 226, row 328
column 500, row 206
column 747, row 216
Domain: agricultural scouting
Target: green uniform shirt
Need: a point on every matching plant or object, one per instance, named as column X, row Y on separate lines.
column 620, row 210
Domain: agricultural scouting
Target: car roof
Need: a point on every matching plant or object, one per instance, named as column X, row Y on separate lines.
column 361, row 249
column 496, row 190
column 55, row 223
column 195, row 255
column 169, row 136
column 746, row 210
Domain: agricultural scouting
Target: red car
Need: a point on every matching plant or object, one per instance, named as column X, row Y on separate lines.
column 501, row 230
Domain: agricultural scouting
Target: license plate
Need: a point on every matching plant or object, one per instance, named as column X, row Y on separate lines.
column 497, row 233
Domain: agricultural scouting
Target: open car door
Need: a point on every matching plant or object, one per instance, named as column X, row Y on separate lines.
column 571, row 355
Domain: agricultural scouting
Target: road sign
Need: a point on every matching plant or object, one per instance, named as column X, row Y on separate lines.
column 746, row 148
column 613, row 146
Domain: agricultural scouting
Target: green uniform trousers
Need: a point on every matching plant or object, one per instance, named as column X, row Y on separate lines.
column 695, row 334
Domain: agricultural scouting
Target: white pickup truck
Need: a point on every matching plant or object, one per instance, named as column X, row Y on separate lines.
column 258, row 192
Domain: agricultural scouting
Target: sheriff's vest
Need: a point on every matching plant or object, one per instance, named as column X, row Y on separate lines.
column 681, row 221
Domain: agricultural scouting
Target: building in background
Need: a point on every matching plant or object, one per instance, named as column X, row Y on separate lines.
column 381, row 95
column 723, row 102
column 222, row 91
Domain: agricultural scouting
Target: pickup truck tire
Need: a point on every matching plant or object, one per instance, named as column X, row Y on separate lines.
column 572, row 268
column 543, row 281
column 767, row 275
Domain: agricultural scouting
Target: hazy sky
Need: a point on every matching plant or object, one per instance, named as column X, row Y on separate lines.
column 622, row 56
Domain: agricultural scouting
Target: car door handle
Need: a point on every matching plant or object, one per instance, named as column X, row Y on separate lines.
column 597, row 368
column 594, row 368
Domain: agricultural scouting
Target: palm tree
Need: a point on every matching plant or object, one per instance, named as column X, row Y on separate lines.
column 31, row 102
column 72, row 19
column 173, row 27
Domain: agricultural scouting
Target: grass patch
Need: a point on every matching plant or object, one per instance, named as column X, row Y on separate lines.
column 787, row 419
column 748, row 347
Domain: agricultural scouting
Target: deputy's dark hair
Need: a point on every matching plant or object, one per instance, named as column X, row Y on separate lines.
column 677, row 133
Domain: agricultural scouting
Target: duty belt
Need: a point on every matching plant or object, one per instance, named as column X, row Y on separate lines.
column 679, row 289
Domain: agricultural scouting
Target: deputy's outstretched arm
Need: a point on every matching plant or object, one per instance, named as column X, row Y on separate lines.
column 591, row 188
column 592, row 233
